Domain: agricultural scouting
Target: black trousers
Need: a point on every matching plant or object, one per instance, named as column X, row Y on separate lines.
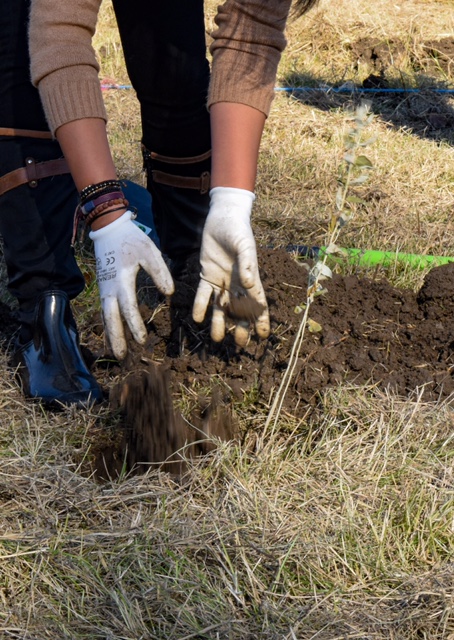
column 35, row 223
column 165, row 53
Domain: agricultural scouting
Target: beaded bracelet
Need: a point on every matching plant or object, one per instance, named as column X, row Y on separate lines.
column 92, row 190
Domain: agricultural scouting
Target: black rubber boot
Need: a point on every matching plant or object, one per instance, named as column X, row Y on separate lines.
column 179, row 189
column 50, row 365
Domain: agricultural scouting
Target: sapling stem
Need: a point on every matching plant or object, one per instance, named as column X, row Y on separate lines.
column 353, row 170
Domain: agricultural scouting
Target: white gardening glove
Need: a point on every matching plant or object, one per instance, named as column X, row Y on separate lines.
column 121, row 248
column 229, row 268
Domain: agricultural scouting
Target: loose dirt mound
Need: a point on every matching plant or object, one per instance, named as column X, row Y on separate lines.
column 371, row 333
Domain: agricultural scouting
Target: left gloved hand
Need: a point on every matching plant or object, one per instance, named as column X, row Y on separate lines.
column 121, row 248
column 229, row 268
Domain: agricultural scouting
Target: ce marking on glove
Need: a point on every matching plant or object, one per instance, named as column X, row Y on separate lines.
column 109, row 259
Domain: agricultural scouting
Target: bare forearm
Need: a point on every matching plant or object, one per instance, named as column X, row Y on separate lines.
column 85, row 146
column 236, row 131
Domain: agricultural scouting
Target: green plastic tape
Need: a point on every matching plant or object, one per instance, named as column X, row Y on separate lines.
column 373, row 258
column 386, row 258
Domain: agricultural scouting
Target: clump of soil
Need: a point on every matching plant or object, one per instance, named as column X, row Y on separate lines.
column 430, row 56
column 379, row 54
column 155, row 432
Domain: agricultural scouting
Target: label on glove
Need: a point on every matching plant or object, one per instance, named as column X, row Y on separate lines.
column 105, row 267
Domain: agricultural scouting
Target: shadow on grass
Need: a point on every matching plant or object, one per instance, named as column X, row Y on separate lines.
column 425, row 112
column 422, row 104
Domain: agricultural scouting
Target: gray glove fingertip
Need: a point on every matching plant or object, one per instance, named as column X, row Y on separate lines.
column 218, row 324
column 165, row 284
column 136, row 325
column 248, row 269
column 202, row 300
column 114, row 327
column 157, row 269
column 130, row 310
column 242, row 333
column 262, row 324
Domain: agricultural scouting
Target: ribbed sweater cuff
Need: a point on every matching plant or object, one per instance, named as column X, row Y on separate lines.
column 65, row 99
column 240, row 85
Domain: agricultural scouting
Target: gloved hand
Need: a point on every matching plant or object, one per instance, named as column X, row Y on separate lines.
column 229, row 268
column 121, row 248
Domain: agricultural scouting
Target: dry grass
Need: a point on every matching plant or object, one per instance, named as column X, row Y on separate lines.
column 337, row 529
column 341, row 527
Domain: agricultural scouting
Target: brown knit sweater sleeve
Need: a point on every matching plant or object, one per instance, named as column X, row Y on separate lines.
column 63, row 62
column 246, row 51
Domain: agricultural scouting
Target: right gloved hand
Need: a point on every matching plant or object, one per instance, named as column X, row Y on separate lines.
column 121, row 248
column 230, row 273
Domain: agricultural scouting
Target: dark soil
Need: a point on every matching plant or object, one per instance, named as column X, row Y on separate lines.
column 152, row 431
column 371, row 334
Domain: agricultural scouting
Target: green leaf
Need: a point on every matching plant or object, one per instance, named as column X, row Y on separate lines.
column 367, row 142
column 363, row 161
column 320, row 292
column 355, row 200
column 333, row 223
column 314, row 327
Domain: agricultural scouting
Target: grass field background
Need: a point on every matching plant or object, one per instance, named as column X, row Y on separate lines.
column 339, row 527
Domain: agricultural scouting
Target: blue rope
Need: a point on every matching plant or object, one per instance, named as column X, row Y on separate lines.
column 116, row 86
column 359, row 90
column 324, row 89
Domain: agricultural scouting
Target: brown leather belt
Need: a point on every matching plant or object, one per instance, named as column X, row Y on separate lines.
column 25, row 133
column 201, row 183
column 169, row 160
column 31, row 173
